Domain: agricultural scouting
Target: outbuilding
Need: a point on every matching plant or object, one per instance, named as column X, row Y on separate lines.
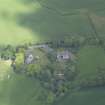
column 63, row 55
column 29, row 59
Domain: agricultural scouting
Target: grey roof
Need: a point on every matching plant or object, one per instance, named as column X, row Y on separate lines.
column 63, row 55
column 29, row 59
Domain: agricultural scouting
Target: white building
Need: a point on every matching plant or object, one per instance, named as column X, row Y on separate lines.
column 29, row 59
column 63, row 55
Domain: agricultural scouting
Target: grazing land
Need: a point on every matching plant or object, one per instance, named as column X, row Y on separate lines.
column 90, row 59
column 27, row 21
column 17, row 89
column 87, row 97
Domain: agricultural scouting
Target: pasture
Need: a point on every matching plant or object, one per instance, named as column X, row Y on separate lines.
column 25, row 21
column 90, row 58
column 17, row 89
column 94, row 96
column 10, row 31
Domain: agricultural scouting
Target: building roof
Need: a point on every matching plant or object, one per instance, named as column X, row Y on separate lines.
column 29, row 59
column 63, row 55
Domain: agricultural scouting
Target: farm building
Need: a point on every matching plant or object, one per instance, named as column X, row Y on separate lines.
column 63, row 55
column 29, row 59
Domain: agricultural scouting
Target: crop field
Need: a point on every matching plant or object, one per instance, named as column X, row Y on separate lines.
column 43, row 20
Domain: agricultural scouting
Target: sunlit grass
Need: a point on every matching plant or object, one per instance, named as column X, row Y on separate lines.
column 10, row 31
column 4, row 80
column 4, row 69
column 18, row 89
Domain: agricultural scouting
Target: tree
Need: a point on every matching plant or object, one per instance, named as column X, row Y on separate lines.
column 33, row 69
column 50, row 98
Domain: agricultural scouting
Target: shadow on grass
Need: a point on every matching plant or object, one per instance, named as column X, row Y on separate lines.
column 52, row 26
column 49, row 25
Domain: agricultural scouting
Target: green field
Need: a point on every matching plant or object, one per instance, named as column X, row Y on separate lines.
column 43, row 20
column 70, row 5
column 85, row 97
column 19, row 90
column 90, row 58
column 25, row 21
column 10, row 31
